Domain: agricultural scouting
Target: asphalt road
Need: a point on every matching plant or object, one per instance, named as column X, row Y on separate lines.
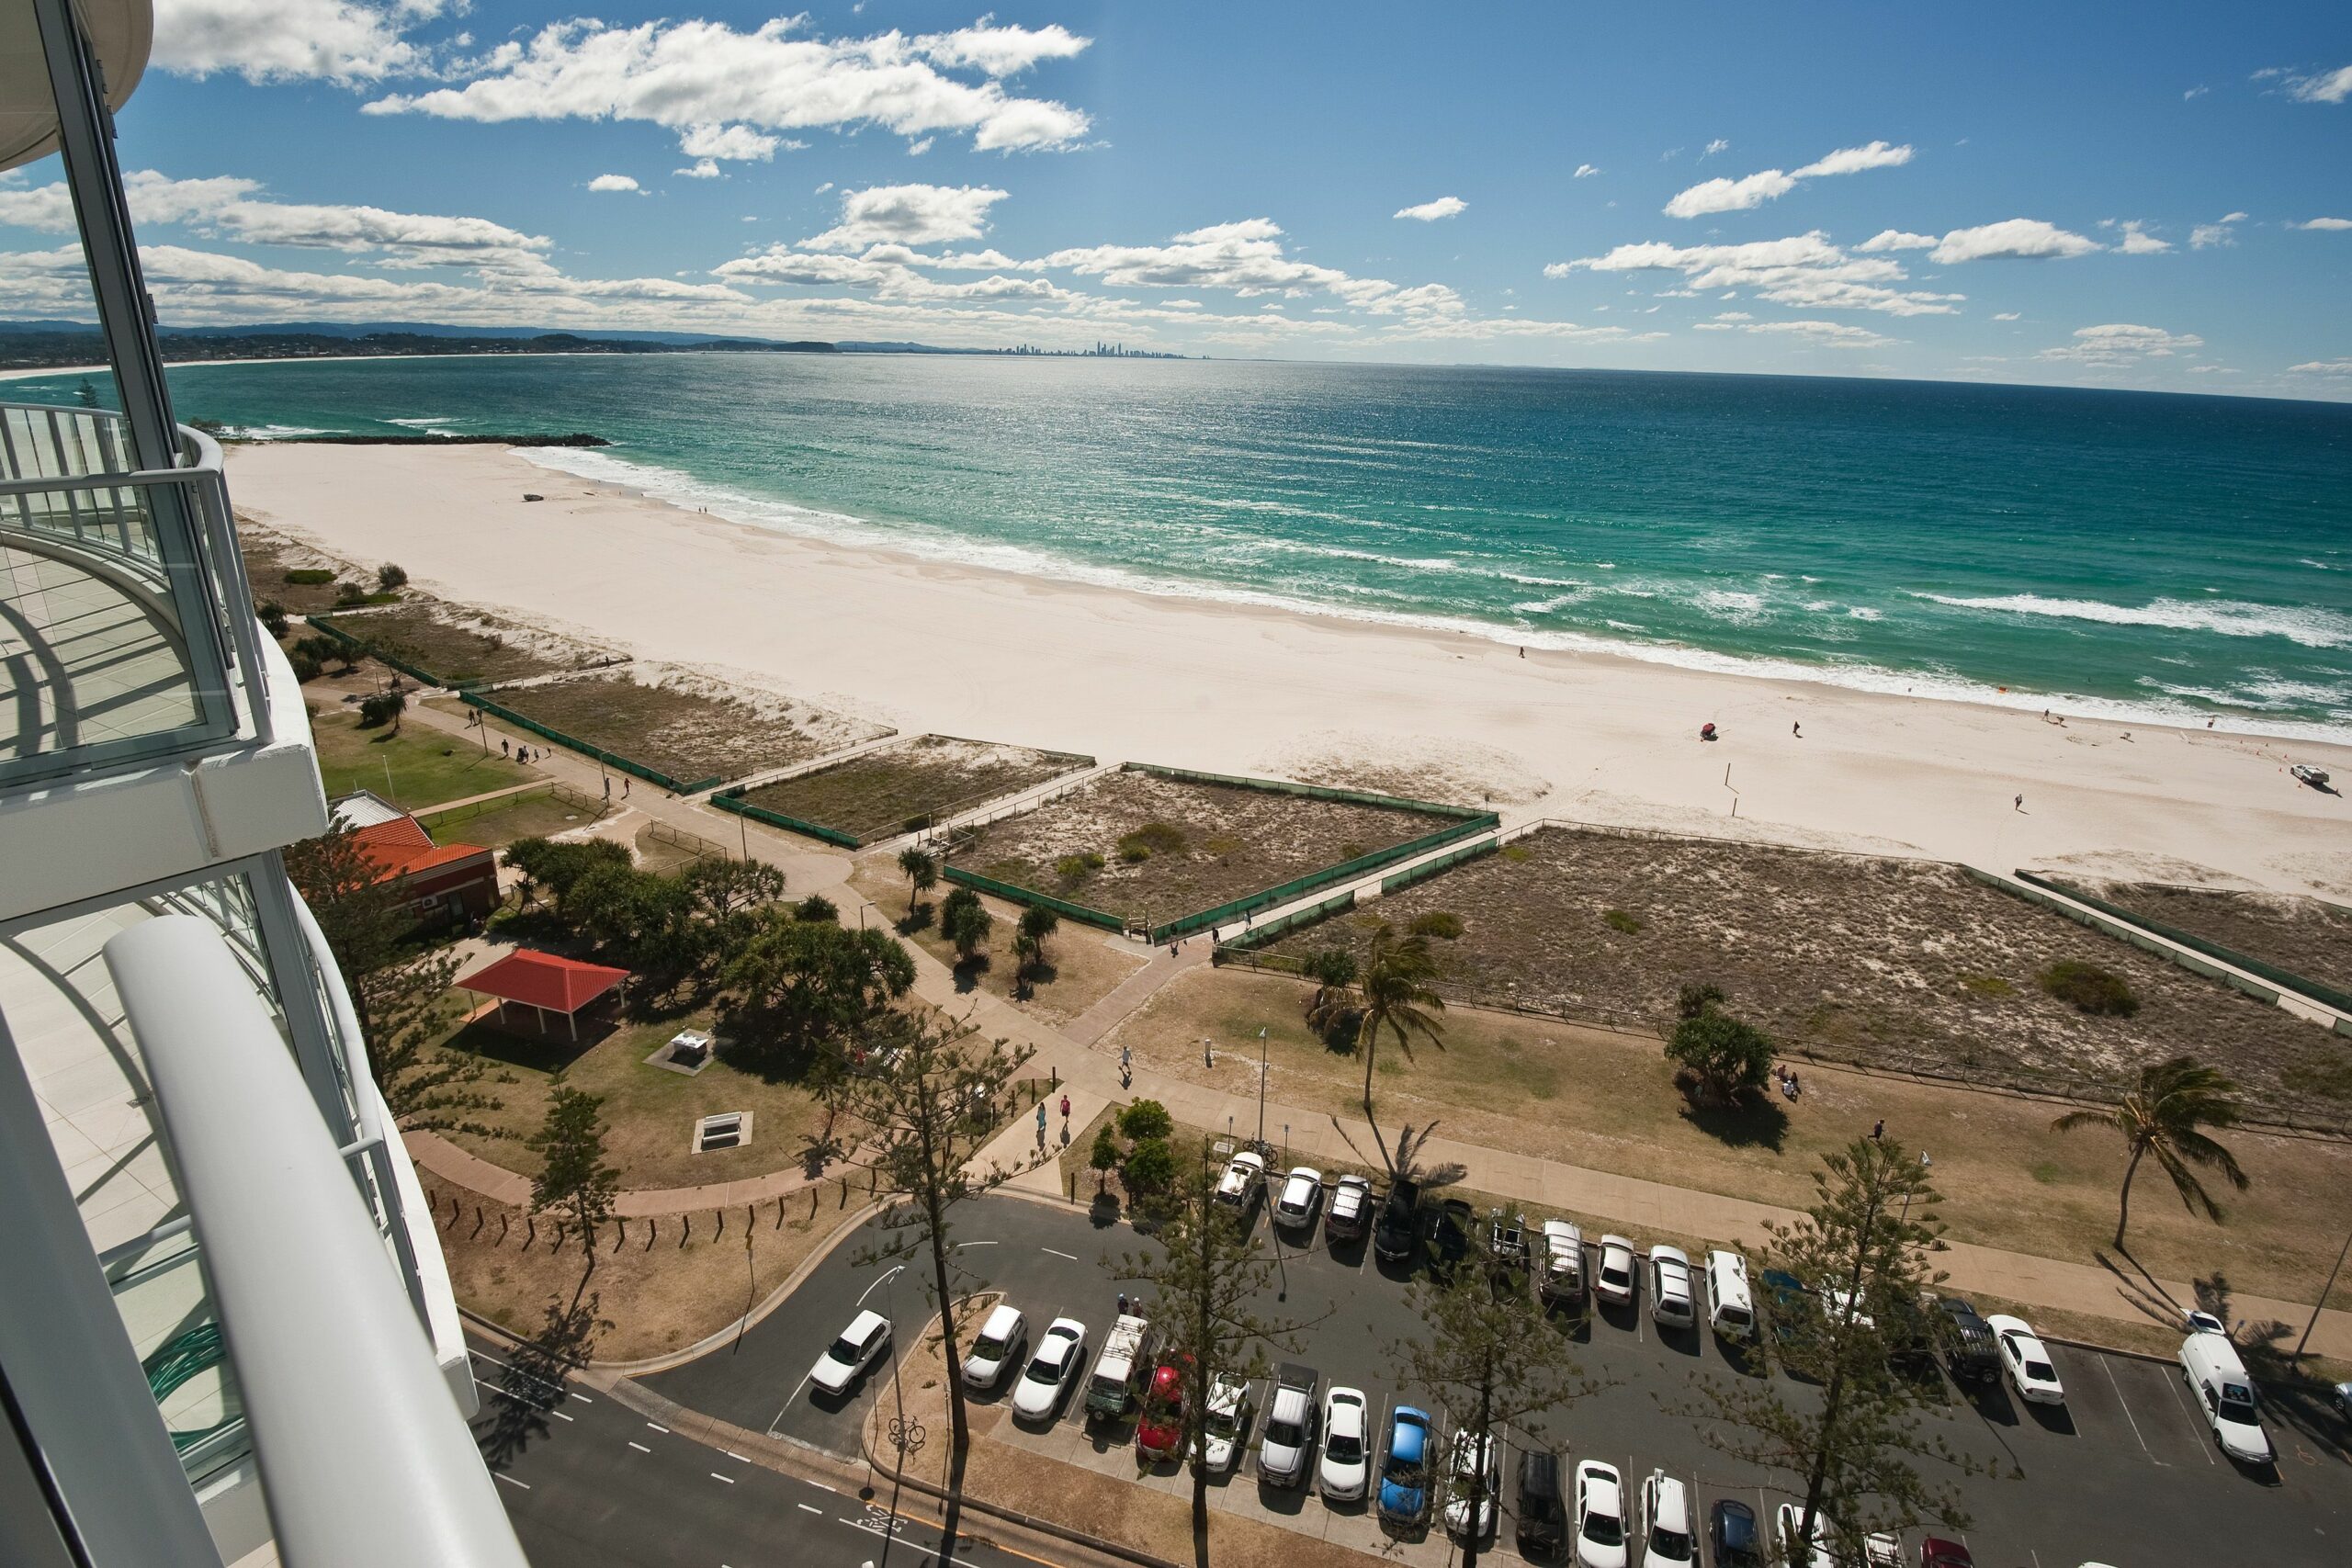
column 590, row 1483
column 2124, row 1474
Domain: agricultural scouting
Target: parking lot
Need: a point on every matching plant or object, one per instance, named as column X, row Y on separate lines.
column 2125, row 1474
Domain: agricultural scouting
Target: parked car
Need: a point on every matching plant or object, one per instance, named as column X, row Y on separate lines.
column 1881, row 1549
column 1614, row 1282
column 2343, row 1400
column 1477, row 1477
column 1563, row 1283
column 1346, row 1464
column 1348, row 1213
column 1244, row 1180
column 1600, row 1513
column 1671, row 1300
column 1507, row 1240
column 1120, row 1369
column 1669, row 1540
column 1450, row 1234
column 2218, row 1384
column 1543, row 1511
column 846, row 1359
column 1405, row 1468
column 1789, row 1302
column 1398, row 1229
column 1731, row 1531
column 1045, row 1382
column 1937, row 1553
column 1160, row 1433
column 2026, row 1362
column 1839, row 1304
column 1968, row 1350
column 1289, row 1437
column 1794, row 1548
column 1225, row 1427
column 1731, row 1309
column 996, row 1350
column 1302, row 1195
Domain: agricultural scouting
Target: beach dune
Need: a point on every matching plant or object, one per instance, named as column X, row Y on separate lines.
column 1196, row 683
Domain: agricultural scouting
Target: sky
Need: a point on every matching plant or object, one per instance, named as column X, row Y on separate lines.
column 2156, row 198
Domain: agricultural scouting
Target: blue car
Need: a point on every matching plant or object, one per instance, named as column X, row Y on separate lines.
column 1405, row 1469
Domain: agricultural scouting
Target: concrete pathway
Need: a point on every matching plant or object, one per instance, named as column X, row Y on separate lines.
column 1136, row 990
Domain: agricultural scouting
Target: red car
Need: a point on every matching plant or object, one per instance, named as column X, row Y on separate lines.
column 1936, row 1554
column 1160, row 1433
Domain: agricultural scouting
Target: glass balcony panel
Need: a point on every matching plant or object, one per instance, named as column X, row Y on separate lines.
column 165, row 1307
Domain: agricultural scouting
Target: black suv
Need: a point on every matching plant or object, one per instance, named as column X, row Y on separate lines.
column 1968, row 1342
column 1542, row 1516
column 1398, row 1228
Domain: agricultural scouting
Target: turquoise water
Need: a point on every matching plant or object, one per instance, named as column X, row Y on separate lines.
column 2149, row 557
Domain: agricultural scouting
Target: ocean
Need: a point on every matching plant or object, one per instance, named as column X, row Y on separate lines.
column 2149, row 558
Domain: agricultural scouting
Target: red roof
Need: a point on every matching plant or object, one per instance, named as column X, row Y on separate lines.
column 403, row 848
column 543, row 980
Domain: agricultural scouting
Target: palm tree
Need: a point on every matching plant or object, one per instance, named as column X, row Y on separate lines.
column 1027, row 952
column 1037, row 923
column 922, row 874
column 2164, row 1116
column 1394, row 984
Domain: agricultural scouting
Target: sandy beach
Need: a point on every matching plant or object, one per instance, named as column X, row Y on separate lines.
column 1581, row 737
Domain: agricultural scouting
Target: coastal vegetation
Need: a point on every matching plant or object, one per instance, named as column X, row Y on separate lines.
column 910, row 785
column 686, row 726
column 458, row 645
column 2310, row 937
column 2165, row 1116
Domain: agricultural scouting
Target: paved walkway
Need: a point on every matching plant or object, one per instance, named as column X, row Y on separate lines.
column 1136, row 990
column 1091, row 1073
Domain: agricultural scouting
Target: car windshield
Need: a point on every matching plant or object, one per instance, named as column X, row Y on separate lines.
column 1604, row 1530
column 1673, row 1545
column 1344, row 1447
column 1284, row 1434
column 844, row 1349
column 1220, row 1424
column 985, row 1348
column 2237, row 1403
column 1045, row 1369
column 2041, row 1372
column 1735, row 1314
column 1612, row 1273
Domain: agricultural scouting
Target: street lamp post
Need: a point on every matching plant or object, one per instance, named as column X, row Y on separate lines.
column 1925, row 1164
column 1261, row 1088
column 905, row 1437
column 2323, row 1289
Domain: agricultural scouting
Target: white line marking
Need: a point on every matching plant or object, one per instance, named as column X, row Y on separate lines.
column 731, row 1453
column 2181, row 1399
column 492, row 1359
column 808, row 1509
column 728, row 1479
column 822, row 1487
column 581, row 1397
column 961, row 1244
column 509, row 1480
column 789, row 1399
column 657, row 1426
column 640, row 1448
column 558, row 1415
column 1058, row 1253
column 2118, row 1387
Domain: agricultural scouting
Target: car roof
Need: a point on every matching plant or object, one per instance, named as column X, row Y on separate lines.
column 1602, row 1482
column 1664, row 1254
column 1352, row 1180
column 2002, row 1323
column 1407, row 1437
column 1736, row 1520
column 1069, row 1325
column 1000, row 1321
column 1616, row 1241
column 1307, row 1171
column 1673, row 1504
column 863, row 1323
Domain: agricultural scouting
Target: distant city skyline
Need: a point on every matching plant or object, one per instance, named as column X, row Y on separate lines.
column 2030, row 197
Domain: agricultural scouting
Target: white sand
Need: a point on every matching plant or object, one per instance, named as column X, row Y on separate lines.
column 1124, row 676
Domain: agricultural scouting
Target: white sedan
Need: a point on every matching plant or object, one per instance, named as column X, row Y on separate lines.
column 1225, row 1430
column 1601, row 1509
column 1816, row 1553
column 1476, row 1469
column 1614, row 1282
column 2026, row 1360
column 1346, row 1465
column 1670, row 1287
column 1047, row 1376
column 1670, row 1538
column 1302, row 1194
column 850, row 1354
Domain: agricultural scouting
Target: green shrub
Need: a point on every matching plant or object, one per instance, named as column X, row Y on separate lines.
column 1695, row 997
column 1152, row 839
column 305, row 665
column 1145, row 1119
column 1151, row 1167
column 349, row 593
column 1352, row 850
column 383, row 707
column 1729, row 1059
column 272, row 615
column 310, row 577
column 1618, row 921
column 390, row 578
column 2099, row 992
column 816, row 906
column 1332, row 966
column 1516, row 853
column 1442, row 923
column 1987, row 986
column 1134, row 852
column 1072, row 869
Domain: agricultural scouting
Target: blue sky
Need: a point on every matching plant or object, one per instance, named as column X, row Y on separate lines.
column 2156, row 197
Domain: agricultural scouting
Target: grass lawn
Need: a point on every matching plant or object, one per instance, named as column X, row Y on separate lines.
column 1082, row 966
column 529, row 816
column 649, row 1112
column 415, row 768
column 1607, row 1101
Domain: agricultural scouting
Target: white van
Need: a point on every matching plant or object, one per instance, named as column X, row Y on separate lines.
column 1730, row 1311
column 2217, row 1382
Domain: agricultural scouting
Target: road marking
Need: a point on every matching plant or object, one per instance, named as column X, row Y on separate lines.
column 509, row 1480
column 558, row 1414
column 877, row 1284
column 2181, row 1399
column 739, row 1458
column 787, row 1402
column 808, row 1509
column 658, row 1427
column 640, row 1448
column 581, row 1397
column 1058, row 1253
column 961, row 1244
column 822, row 1487
column 728, row 1479
column 2109, row 1369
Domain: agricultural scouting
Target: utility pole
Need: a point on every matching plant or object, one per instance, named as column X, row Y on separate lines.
column 1262, row 1087
column 2319, row 1305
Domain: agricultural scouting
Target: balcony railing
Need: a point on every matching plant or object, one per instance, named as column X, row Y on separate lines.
column 126, row 628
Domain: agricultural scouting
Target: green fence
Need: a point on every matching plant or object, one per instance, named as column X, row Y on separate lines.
column 1298, row 920
column 733, row 800
column 1346, row 871
column 2124, row 930
column 1428, row 868
column 572, row 742
column 323, row 624
column 2340, row 1001
column 1310, row 792
column 1016, row 895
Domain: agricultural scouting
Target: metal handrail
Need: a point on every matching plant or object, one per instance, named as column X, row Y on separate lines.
column 364, row 1460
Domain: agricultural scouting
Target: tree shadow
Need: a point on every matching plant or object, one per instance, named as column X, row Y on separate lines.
column 917, row 919
column 1750, row 1122
column 532, row 1381
column 967, row 972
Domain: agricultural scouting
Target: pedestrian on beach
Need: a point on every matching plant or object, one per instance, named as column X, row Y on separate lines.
column 2020, row 803
column 1123, row 1304
column 608, row 789
column 1797, row 730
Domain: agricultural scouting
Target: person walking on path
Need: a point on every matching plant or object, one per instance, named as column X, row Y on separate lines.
column 1065, row 1108
column 1879, row 1132
column 2020, row 803
column 1041, row 1124
column 1796, row 730
column 623, row 787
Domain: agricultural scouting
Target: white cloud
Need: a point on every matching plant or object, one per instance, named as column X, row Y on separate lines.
column 615, row 182
column 2014, row 239
column 344, row 41
column 2206, row 235
column 2138, row 241
column 2323, row 368
column 2119, row 343
column 2337, row 224
column 1830, row 335
column 703, row 169
column 1585, row 171
column 1754, row 190
column 1000, row 50
column 695, row 75
column 2321, row 88
column 909, row 215
column 1896, row 240
column 917, row 149
column 1717, row 145
column 1803, row 271
column 737, row 143
column 1430, row 211
column 2006, row 315
column 2196, row 92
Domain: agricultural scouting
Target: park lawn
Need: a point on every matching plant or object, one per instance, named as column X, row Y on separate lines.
column 415, row 768
column 1082, row 965
column 528, row 817
column 1607, row 1101
column 649, row 1112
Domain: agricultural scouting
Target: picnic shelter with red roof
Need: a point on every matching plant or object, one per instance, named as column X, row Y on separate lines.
column 546, row 983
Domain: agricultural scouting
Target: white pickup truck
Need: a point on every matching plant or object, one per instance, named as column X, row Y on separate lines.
column 1121, row 1369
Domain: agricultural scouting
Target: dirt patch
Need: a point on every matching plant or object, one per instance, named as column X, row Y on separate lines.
column 1413, row 766
column 1082, row 965
column 908, row 784
column 2303, row 936
column 1171, row 847
column 458, row 646
column 1909, row 964
column 269, row 557
column 684, row 724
